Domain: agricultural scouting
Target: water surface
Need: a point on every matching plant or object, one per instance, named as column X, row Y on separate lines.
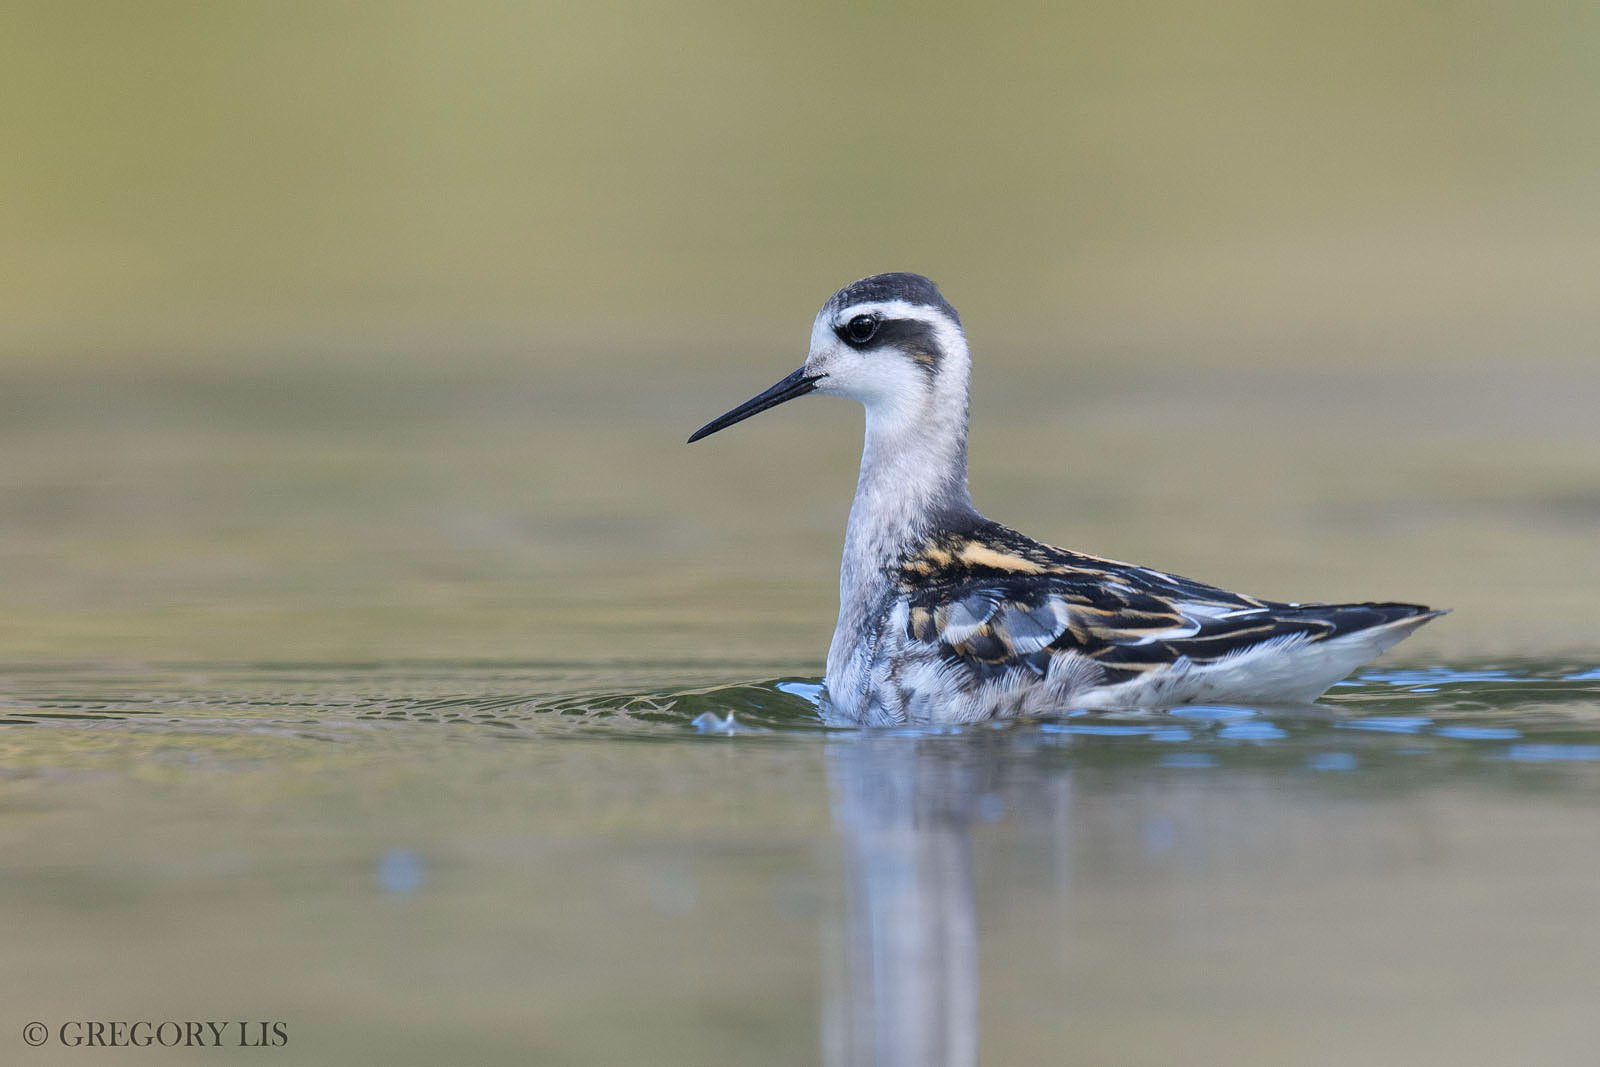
column 503, row 862
column 458, row 713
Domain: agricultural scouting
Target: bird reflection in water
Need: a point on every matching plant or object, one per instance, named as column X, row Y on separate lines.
column 905, row 808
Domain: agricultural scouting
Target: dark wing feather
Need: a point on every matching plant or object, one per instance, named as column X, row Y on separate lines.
column 996, row 601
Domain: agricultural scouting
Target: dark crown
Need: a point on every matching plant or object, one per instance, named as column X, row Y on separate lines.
column 912, row 288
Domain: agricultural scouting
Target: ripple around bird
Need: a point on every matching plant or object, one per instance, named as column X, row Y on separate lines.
column 1528, row 713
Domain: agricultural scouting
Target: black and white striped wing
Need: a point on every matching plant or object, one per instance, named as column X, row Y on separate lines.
column 1124, row 627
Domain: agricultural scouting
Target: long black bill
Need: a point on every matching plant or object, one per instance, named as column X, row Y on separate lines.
column 797, row 384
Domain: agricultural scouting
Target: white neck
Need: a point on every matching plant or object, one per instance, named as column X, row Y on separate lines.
column 913, row 474
column 913, row 469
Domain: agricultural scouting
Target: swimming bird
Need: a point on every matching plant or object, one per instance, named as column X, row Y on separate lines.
column 948, row 617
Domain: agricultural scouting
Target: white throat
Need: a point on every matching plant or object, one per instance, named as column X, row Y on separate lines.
column 913, row 474
column 913, row 468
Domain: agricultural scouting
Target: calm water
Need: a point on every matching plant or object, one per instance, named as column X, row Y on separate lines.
column 486, row 862
column 460, row 714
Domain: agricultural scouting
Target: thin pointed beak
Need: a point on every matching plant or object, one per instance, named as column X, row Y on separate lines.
column 797, row 384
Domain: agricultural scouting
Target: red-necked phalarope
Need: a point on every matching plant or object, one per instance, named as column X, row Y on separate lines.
column 945, row 616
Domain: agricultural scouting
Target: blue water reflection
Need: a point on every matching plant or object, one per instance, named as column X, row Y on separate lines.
column 400, row 871
column 1436, row 709
column 1389, row 724
column 1553, row 753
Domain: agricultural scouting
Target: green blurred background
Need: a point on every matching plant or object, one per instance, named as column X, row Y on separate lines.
column 227, row 177
column 335, row 329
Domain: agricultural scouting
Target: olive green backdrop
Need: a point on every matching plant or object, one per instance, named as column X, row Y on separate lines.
column 375, row 329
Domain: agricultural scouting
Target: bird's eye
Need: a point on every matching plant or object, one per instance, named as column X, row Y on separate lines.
column 861, row 328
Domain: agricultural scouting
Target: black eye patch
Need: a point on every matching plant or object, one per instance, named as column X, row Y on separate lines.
column 912, row 336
